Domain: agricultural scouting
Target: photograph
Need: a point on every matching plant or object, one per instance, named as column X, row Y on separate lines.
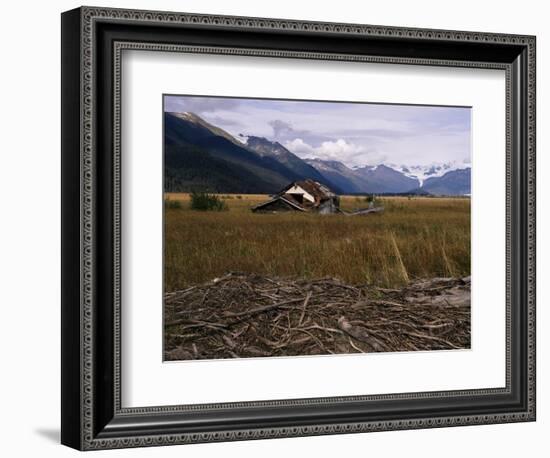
column 309, row 227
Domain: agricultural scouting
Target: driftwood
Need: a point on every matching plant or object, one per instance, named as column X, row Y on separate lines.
column 242, row 315
column 364, row 211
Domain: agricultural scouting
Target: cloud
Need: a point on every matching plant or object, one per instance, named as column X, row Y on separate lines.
column 353, row 133
column 199, row 105
column 339, row 150
column 222, row 121
column 299, row 147
column 284, row 130
column 280, row 127
column 334, row 149
column 389, row 134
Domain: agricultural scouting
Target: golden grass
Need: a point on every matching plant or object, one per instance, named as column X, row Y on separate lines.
column 414, row 238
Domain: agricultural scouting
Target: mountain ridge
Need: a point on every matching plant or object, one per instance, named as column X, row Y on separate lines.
column 200, row 155
column 193, row 147
column 274, row 150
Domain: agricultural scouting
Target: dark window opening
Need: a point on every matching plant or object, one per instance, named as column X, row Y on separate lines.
column 298, row 198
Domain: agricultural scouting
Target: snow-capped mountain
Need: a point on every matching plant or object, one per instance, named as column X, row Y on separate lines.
column 453, row 183
column 201, row 155
column 423, row 172
column 437, row 179
column 382, row 178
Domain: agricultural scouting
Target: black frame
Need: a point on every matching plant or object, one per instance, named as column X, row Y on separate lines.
column 92, row 42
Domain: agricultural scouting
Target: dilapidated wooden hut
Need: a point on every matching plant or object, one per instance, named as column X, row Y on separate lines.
column 302, row 196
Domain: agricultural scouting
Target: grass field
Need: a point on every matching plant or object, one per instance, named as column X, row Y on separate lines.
column 413, row 238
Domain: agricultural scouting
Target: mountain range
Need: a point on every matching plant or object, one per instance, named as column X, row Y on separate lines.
column 201, row 156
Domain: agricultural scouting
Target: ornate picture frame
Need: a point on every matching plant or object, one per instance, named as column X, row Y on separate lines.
column 93, row 416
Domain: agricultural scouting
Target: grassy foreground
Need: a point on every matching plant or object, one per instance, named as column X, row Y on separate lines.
column 413, row 238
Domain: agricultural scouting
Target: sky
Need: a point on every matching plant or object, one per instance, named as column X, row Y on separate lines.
column 356, row 134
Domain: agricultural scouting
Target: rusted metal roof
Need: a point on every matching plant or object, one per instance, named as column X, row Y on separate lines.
column 318, row 191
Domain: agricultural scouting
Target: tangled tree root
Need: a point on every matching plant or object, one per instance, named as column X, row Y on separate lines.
column 242, row 315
